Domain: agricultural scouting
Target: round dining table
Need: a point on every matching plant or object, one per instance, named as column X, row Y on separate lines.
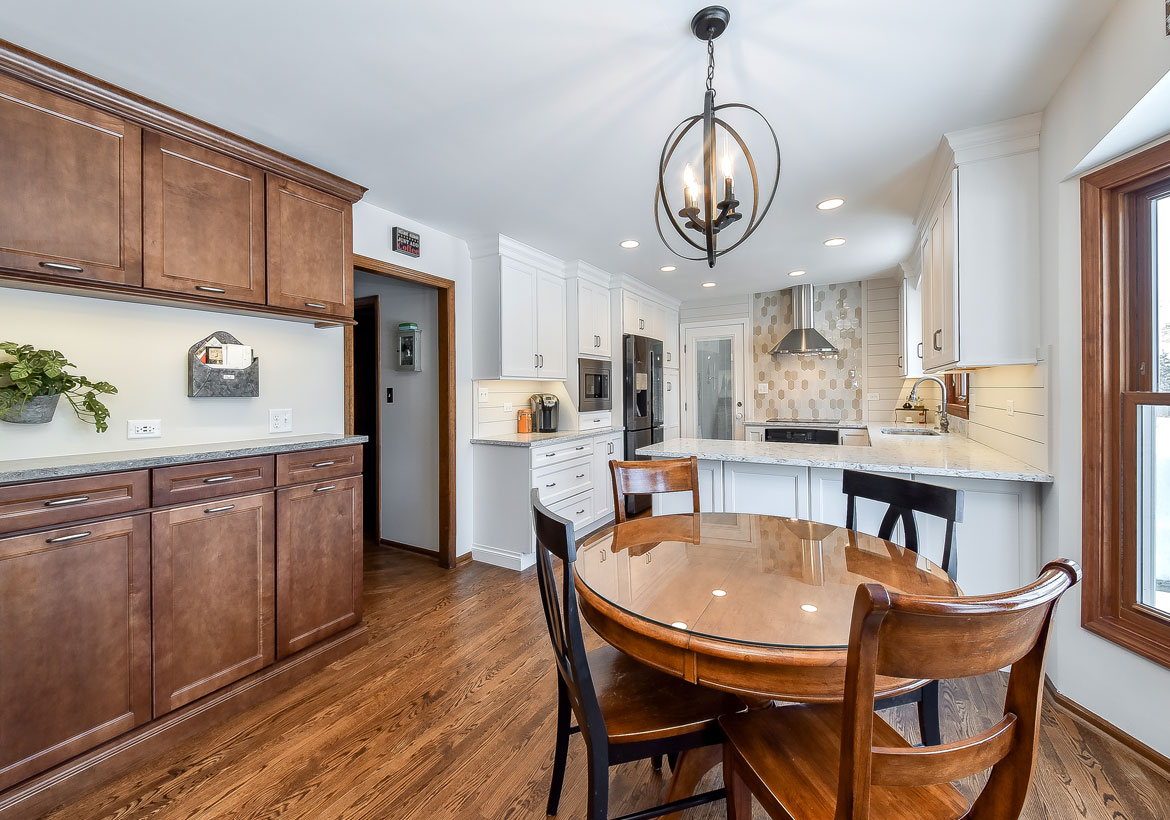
column 752, row 604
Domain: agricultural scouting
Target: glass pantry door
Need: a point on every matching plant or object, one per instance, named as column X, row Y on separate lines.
column 714, row 390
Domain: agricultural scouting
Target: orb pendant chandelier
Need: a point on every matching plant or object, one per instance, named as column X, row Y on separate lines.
column 702, row 217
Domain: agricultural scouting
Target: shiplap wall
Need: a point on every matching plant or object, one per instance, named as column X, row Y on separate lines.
column 1023, row 435
column 492, row 420
column 881, row 324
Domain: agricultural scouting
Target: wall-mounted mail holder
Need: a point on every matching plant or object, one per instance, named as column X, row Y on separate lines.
column 220, row 367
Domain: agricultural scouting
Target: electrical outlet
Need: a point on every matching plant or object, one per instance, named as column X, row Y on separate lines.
column 762, row 388
column 874, row 396
column 280, row 421
column 1011, row 407
column 144, row 428
column 507, row 407
column 483, row 395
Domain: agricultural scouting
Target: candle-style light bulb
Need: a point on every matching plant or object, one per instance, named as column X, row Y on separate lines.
column 728, row 166
column 692, row 186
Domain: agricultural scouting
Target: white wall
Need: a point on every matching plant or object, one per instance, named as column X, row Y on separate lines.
column 1127, row 57
column 446, row 256
column 409, row 441
column 142, row 350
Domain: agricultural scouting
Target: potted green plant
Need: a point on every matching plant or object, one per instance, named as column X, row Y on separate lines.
column 32, row 381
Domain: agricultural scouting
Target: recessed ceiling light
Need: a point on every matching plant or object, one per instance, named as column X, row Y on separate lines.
column 834, row 242
column 718, row 593
column 708, row 284
column 808, row 607
column 668, row 268
column 797, row 272
column 679, row 625
column 629, row 243
column 830, row 204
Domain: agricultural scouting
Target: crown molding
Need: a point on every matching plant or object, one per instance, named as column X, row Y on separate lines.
column 501, row 245
column 580, row 269
column 635, row 285
column 998, row 139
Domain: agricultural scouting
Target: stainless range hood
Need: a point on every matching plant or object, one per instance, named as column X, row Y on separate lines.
column 803, row 339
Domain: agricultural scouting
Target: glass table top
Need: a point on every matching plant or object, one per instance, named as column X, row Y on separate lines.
column 751, row 579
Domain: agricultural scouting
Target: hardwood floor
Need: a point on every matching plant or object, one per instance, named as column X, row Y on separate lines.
column 448, row 713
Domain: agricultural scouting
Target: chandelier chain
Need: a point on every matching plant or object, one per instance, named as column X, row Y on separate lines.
column 711, row 66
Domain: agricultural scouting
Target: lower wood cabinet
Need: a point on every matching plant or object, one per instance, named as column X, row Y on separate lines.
column 318, row 561
column 213, row 605
column 74, row 641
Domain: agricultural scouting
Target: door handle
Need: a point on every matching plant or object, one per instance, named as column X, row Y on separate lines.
column 61, row 502
column 62, row 266
column 934, row 340
column 62, row 539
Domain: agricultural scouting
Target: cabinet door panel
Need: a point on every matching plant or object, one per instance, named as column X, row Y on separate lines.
column 518, row 353
column 550, row 324
column 203, row 221
column 948, row 291
column 765, row 489
column 213, row 596
column 633, row 322
column 670, row 381
column 72, row 188
column 310, row 249
column 586, row 331
column 318, row 562
column 601, row 321
column 74, row 641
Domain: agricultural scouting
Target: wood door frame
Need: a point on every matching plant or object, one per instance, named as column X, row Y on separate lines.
column 362, row 302
column 446, row 361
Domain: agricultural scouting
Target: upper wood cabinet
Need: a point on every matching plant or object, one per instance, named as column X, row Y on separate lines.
column 310, row 249
column 203, row 221
column 70, row 188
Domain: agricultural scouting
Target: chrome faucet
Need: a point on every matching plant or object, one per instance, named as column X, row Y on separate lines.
column 944, row 423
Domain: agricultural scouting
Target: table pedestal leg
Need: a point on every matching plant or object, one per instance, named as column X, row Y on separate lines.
column 693, row 765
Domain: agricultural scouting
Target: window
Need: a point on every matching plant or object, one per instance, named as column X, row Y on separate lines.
column 958, row 402
column 1126, row 415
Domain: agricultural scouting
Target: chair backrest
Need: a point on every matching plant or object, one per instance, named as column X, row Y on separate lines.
column 554, row 536
column 932, row 638
column 904, row 499
column 645, row 477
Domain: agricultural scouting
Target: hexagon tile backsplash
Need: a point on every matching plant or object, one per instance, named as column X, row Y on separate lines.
column 809, row 387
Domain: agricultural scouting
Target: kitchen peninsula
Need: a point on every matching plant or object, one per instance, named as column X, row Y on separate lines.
column 998, row 537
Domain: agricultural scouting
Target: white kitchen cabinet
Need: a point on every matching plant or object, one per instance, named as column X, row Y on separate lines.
column 910, row 358
column 710, row 493
column 670, row 399
column 827, row 503
column 593, row 319
column 670, row 340
column 606, row 448
column 765, row 489
column 658, row 326
column 518, row 311
column 633, row 314
column 979, row 229
column 753, row 433
column 550, row 326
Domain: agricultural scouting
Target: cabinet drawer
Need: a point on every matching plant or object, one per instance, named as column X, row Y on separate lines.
column 578, row 509
column 558, row 453
column 192, row 482
column 599, row 420
column 48, row 503
column 314, row 465
column 560, row 482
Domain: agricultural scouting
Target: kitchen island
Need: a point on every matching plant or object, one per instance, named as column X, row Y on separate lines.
column 998, row 537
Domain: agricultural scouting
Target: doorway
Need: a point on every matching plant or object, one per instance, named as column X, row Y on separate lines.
column 430, row 398
column 714, row 376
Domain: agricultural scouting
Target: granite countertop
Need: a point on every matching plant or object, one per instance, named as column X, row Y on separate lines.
column 950, row 454
column 36, row 469
column 535, row 439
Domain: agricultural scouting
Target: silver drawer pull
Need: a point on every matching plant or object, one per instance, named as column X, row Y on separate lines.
column 580, row 475
column 224, row 508
column 62, row 539
column 324, row 464
column 217, row 479
column 317, row 305
column 209, row 289
column 551, row 485
column 62, row 266
column 61, row 502
column 326, row 487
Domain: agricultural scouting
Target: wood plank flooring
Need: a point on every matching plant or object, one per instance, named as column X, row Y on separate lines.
column 448, row 713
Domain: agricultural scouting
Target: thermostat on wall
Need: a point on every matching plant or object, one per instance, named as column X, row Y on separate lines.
column 406, row 242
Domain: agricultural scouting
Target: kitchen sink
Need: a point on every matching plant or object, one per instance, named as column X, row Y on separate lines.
column 909, row 431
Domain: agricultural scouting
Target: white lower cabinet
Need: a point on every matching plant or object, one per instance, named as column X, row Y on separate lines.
column 605, row 449
column 710, row 493
column 765, row 489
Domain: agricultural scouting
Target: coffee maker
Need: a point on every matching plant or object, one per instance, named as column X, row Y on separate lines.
column 545, row 409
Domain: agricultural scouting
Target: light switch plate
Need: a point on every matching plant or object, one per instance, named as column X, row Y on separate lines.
column 1011, row 407
column 280, row 421
column 483, row 395
column 144, row 428
column 874, row 396
column 762, row 389
column 507, row 407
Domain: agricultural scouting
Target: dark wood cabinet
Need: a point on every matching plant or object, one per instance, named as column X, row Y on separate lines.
column 203, row 221
column 318, row 561
column 74, row 641
column 64, row 500
column 208, row 479
column 317, row 465
column 310, row 249
column 213, row 596
column 71, row 205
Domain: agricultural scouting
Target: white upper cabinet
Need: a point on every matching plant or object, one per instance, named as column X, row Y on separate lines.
column 519, row 306
column 670, row 340
column 979, row 229
column 593, row 327
column 633, row 314
column 912, row 348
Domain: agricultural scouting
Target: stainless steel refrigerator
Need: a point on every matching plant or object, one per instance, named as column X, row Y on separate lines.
column 643, row 402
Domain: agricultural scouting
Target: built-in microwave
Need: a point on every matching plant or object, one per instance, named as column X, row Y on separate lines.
column 595, row 384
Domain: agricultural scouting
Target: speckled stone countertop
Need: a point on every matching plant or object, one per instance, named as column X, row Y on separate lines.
column 945, row 455
column 37, row 469
column 535, row 439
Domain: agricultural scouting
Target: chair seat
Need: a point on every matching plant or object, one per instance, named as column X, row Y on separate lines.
column 640, row 703
column 790, row 757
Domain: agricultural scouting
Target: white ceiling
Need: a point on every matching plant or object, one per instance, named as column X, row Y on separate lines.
column 543, row 119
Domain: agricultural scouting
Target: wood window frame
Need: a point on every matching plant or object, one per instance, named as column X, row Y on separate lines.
column 1115, row 282
column 958, row 394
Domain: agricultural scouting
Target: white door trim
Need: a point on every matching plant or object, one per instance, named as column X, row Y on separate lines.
column 688, row 388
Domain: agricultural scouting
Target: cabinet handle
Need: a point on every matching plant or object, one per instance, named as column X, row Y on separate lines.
column 582, row 447
column 641, row 324
column 668, row 356
column 920, row 350
column 542, row 360
column 326, row 487
column 224, row 508
column 210, row 289
column 549, row 455
column 579, row 512
column 934, row 339
column 61, row 502
column 550, row 485
column 217, row 479
column 668, row 387
column 62, row 266
column 580, row 475
column 317, row 305
column 324, row 464
column 597, row 421
column 899, row 361
column 62, row 539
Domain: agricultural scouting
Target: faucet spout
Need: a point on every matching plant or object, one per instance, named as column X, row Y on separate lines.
column 944, row 421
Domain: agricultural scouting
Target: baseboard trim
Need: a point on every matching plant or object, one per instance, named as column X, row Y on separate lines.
column 400, row 545
column 1152, row 756
column 35, row 797
column 503, row 558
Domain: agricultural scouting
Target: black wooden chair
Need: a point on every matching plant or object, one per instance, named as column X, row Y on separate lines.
column 624, row 710
column 905, row 498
